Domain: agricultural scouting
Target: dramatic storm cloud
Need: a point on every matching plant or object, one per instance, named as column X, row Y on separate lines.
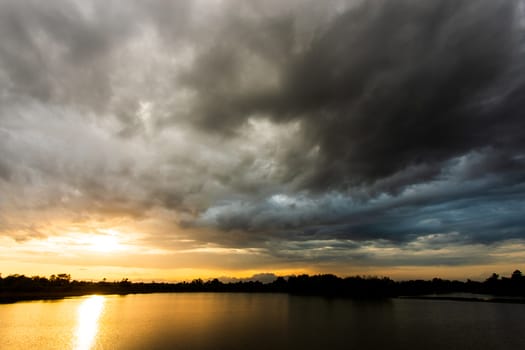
column 263, row 135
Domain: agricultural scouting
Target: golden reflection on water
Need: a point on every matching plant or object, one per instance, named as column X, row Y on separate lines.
column 87, row 324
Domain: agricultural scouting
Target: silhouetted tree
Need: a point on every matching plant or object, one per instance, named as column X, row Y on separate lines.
column 325, row 285
column 516, row 275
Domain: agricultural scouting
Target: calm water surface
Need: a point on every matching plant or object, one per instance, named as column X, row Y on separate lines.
column 258, row 321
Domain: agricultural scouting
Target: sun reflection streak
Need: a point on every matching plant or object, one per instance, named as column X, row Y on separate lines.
column 87, row 327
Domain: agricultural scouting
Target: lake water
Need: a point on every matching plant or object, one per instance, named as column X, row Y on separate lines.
column 258, row 321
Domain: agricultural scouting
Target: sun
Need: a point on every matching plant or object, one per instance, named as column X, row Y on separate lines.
column 104, row 244
column 105, row 241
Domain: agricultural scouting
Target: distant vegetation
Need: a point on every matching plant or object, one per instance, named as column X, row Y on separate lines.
column 20, row 287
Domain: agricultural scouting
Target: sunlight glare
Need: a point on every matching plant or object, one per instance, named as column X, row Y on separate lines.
column 103, row 243
column 88, row 314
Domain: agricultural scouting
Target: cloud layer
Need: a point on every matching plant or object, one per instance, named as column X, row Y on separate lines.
column 305, row 131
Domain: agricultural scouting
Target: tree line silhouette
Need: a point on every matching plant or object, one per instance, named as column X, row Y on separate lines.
column 20, row 287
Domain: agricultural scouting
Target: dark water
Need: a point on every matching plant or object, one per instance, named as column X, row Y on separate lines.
column 258, row 321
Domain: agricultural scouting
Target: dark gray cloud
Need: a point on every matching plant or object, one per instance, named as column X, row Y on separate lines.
column 385, row 86
column 468, row 200
column 60, row 52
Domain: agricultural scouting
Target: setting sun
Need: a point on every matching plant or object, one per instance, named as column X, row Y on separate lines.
column 103, row 244
column 94, row 240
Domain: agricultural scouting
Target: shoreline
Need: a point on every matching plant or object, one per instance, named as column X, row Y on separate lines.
column 495, row 299
column 10, row 298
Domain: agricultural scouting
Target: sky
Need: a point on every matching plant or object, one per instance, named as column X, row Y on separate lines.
column 171, row 140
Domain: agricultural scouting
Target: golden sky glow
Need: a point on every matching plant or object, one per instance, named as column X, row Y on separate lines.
column 114, row 254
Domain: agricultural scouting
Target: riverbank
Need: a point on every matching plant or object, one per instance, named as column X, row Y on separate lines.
column 494, row 289
column 8, row 298
column 484, row 299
